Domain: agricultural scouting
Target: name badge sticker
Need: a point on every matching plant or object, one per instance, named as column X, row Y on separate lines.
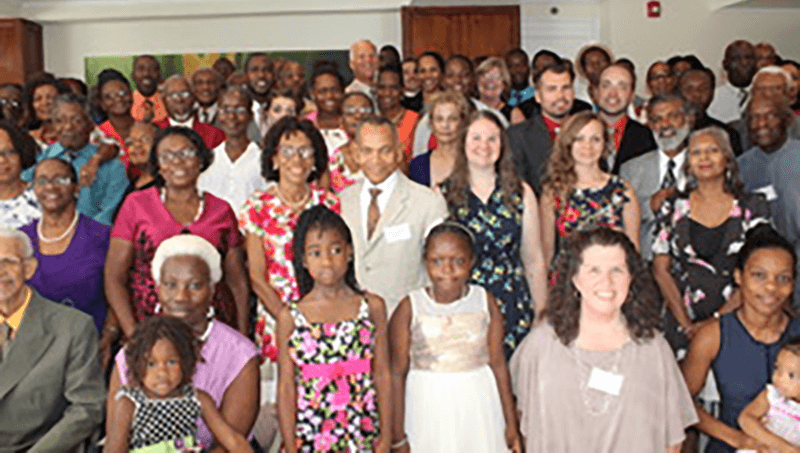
column 397, row 233
column 605, row 381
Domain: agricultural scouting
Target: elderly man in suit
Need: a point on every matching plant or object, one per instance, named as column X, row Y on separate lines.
column 51, row 387
column 657, row 174
column 179, row 99
column 388, row 215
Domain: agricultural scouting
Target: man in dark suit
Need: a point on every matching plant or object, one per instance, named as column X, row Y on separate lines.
column 531, row 140
column 179, row 99
column 627, row 138
column 51, row 387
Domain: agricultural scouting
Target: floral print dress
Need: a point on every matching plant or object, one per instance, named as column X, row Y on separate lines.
column 341, row 176
column 588, row 208
column 20, row 210
column 265, row 215
column 498, row 236
column 704, row 284
column 336, row 399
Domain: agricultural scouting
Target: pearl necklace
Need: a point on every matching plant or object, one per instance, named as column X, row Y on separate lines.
column 293, row 206
column 47, row 240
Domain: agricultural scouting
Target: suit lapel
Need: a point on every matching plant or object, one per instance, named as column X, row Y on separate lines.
column 395, row 208
column 28, row 346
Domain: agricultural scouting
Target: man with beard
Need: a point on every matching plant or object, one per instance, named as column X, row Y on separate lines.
column 531, row 140
column 697, row 86
column 731, row 96
column 259, row 69
column 627, row 138
column 659, row 173
column 206, row 85
column 520, row 72
column 177, row 94
column 147, row 103
column 364, row 63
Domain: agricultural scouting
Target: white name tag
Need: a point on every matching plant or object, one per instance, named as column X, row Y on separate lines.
column 768, row 192
column 605, row 381
column 397, row 233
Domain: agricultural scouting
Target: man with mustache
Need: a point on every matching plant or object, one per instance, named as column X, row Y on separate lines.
column 627, row 138
column 659, row 173
column 731, row 96
column 147, row 103
column 178, row 96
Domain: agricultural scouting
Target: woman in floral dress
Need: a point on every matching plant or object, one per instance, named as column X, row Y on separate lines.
column 484, row 193
column 577, row 193
column 698, row 235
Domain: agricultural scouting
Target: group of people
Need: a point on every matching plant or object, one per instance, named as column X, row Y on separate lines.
column 442, row 255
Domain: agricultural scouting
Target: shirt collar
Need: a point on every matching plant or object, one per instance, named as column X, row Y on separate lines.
column 188, row 123
column 386, row 186
column 15, row 319
column 678, row 158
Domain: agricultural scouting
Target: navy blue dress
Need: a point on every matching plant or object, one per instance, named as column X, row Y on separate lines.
column 419, row 170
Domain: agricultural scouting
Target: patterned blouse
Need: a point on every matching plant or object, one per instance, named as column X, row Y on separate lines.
column 587, row 208
column 20, row 210
column 341, row 176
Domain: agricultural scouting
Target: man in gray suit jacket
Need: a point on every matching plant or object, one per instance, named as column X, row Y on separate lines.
column 51, row 387
column 388, row 215
column 657, row 174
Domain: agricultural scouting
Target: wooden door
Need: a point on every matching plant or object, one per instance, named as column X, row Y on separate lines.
column 21, row 54
column 471, row 31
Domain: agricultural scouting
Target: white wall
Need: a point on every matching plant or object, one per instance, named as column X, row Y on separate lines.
column 67, row 43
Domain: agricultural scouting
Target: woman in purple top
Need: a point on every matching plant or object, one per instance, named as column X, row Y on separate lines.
column 186, row 268
column 70, row 247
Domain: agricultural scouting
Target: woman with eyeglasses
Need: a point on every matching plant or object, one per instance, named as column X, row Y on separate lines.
column 116, row 100
column 175, row 206
column 18, row 205
column 69, row 247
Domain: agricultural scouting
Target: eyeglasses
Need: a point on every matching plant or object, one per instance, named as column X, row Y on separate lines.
column 289, row 152
column 168, row 157
column 60, row 181
column 11, row 102
column 121, row 94
column 179, row 95
column 146, row 141
column 357, row 110
column 234, row 111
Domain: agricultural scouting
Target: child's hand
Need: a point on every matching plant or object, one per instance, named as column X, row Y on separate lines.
column 513, row 439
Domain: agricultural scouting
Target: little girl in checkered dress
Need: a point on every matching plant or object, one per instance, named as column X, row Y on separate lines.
column 159, row 409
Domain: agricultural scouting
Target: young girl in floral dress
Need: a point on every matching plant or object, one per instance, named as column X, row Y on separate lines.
column 333, row 359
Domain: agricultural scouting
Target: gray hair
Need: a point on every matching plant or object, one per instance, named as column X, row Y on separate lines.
column 162, row 87
column 733, row 183
column 188, row 245
column 776, row 70
column 361, row 41
column 71, row 98
column 20, row 237
column 241, row 91
column 686, row 106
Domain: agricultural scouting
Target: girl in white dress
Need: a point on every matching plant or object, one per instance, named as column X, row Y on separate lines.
column 450, row 384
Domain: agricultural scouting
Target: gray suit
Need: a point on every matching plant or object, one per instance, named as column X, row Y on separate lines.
column 51, row 388
column 390, row 263
column 643, row 174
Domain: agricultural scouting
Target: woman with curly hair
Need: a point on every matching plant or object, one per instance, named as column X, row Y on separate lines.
column 698, row 234
column 598, row 372
column 577, row 193
column 484, row 194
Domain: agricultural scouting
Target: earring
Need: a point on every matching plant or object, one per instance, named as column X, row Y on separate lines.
column 211, row 313
column 728, row 174
column 157, row 308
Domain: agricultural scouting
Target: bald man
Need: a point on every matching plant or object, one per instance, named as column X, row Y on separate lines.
column 364, row 63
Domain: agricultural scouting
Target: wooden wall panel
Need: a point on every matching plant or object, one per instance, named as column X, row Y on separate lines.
column 21, row 54
column 472, row 31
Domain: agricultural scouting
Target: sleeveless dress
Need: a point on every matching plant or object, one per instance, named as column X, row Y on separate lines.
column 742, row 368
column 162, row 425
column 498, row 235
column 452, row 402
column 336, row 401
column 588, row 208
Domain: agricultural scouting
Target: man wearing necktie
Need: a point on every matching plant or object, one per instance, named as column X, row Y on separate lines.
column 659, row 173
column 51, row 386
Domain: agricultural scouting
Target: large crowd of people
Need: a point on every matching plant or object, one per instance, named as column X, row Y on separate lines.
column 507, row 253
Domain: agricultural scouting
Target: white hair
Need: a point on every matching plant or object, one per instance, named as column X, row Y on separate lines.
column 187, row 245
column 362, row 41
column 776, row 70
column 20, row 237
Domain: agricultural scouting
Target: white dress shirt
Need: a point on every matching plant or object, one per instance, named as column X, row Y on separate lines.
column 386, row 187
column 188, row 123
column 727, row 105
column 233, row 181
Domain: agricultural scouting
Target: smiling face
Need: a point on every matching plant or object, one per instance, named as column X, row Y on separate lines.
column 364, row 60
column 669, row 124
column 327, row 256
column 491, row 84
column 293, row 168
column 176, row 167
column 589, row 144
column 354, row 110
column 10, row 164
column 280, row 107
column 15, row 269
column 146, row 75
column 555, row 93
column 445, row 122
column 139, row 142
column 292, row 76
column 162, row 374
column 234, row 114
column 178, row 99
column 767, row 280
column 482, row 144
column 327, row 93
column 614, row 91
column 519, row 71
column 603, row 281
column 259, row 75
column 43, row 97
column 389, row 91
column 767, row 127
column 594, row 61
column 706, row 158
column 660, row 79
column 73, row 126
column 116, row 98
column 185, row 290
column 52, row 196
column 11, row 102
column 410, row 76
column 458, row 77
column 448, row 261
column 206, row 85
column 429, row 73
column 379, row 152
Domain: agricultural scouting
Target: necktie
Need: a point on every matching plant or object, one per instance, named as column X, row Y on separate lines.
column 742, row 96
column 203, row 115
column 5, row 333
column 373, row 213
column 669, row 178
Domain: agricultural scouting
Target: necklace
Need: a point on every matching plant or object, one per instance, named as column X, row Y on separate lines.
column 293, row 206
column 200, row 207
column 66, row 232
column 203, row 338
column 595, row 401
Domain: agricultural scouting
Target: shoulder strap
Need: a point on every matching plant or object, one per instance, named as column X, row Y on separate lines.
column 299, row 319
column 363, row 309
